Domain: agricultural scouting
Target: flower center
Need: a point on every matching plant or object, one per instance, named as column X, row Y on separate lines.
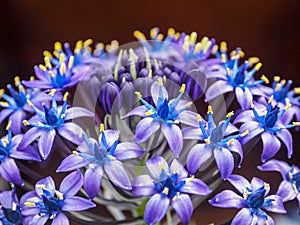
column 168, row 185
column 256, row 200
column 163, row 110
column 271, row 117
column 13, row 216
column 294, row 179
column 19, row 97
column 52, row 204
column 50, row 116
column 217, row 134
column 240, row 75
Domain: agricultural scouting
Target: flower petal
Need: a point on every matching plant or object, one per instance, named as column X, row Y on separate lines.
column 243, row 217
column 276, row 165
column 71, row 132
column 224, row 160
column 218, row 88
column 197, row 156
column 48, row 183
column 128, row 150
column 236, row 147
column 111, row 136
column 286, row 191
column 239, row 182
column 76, row 203
column 17, row 121
column 30, row 136
column 276, row 205
column 158, row 93
column 195, row 186
column 155, row 165
column 117, row 174
column 243, row 97
column 189, row 118
column 60, row 219
column 192, row 133
column 183, row 206
column 143, row 186
column 145, row 129
column 254, row 130
column 71, row 184
column 92, row 181
column 137, row 111
column 45, row 142
column 73, row 162
column 174, row 137
column 244, row 116
column 39, row 220
column 287, row 139
column 271, row 145
column 156, row 208
column 76, row 112
column 228, row 199
column 5, row 113
column 10, row 172
column 257, row 183
column 178, row 168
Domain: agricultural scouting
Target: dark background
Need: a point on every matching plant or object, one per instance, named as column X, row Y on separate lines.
column 267, row 29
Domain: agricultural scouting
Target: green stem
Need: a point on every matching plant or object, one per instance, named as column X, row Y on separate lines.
column 169, row 217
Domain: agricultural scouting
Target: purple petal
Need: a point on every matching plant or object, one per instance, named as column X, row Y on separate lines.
column 75, row 203
column 111, row 136
column 155, row 165
column 197, row 156
column 189, row 118
column 155, row 93
column 276, row 205
column 73, row 162
column 137, row 111
column 276, row 165
column 254, row 130
column 230, row 129
column 92, row 181
column 287, row 139
column 174, row 137
column 117, row 174
column 195, row 186
column 218, row 88
column 156, row 208
column 244, row 116
column 145, row 129
column 128, row 150
column 143, row 186
column 10, row 172
column 183, row 206
column 236, row 147
column 76, row 112
column 49, row 185
column 17, row 121
column 257, row 183
column 243, row 217
column 30, row 136
column 228, row 199
column 71, row 184
column 192, row 133
column 27, row 153
column 224, row 160
column 71, row 132
column 239, row 182
column 45, row 142
column 271, row 145
column 5, row 113
column 178, row 168
column 39, row 220
column 37, row 84
column 286, row 191
column 243, row 98
column 60, row 219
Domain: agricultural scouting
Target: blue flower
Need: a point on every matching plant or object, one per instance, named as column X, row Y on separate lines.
column 48, row 203
column 235, row 77
column 216, row 144
column 46, row 124
column 289, row 188
column 168, row 186
column 252, row 204
column 8, row 152
column 265, row 121
column 16, row 107
column 165, row 115
column 103, row 157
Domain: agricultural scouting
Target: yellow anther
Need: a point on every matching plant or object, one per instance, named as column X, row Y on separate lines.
column 79, row 44
column 189, row 179
column 188, row 104
column 61, row 58
column 40, row 124
column 246, row 132
column 47, row 62
column 51, row 73
column 4, row 104
column 266, row 222
column 214, row 49
column 175, row 171
column 160, row 167
column 265, row 79
column 59, row 195
column 264, row 113
column 149, row 113
column 65, row 96
column 290, row 175
column 166, row 191
column 223, row 46
column 176, row 197
column 42, row 67
column 5, row 141
column 42, row 186
column 1, row 92
column 198, row 47
column 230, row 141
column 209, row 110
column 182, row 89
column 29, row 204
column 277, row 87
column 138, row 94
column 111, row 157
column 253, row 60
column 177, row 35
column 207, row 140
column 277, row 78
column 245, row 195
column 266, row 185
column 101, row 127
column 62, row 115
column 25, row 122
column 62, row 68
column 14, row 206
column 206, row 46
column 271, row 99
column 87, row 42
column 230, row 114
column 29, row 102
column 139, row 35
column 296, row 124
column 193, row 38
column 160, row 81
column 283, row 82
column 17, row 80
column 31, row 78
column 75, row 152
column 198, row 118
column 176, row 121
column 123, row 79
column 153, row 32
column 56, row 54
column 57, row 46
column 228, row 71
column 47, row 54
column 8, row 125
column 251, row 103
column 296, row 90
column 52, row 216
column 241, row 54
column 258, row 66
column 52, row 92
column 71, row 62
column 223, row 58
column 287, row 106
column 186, row 47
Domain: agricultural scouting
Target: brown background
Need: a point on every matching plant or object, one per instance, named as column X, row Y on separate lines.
column 267, row 29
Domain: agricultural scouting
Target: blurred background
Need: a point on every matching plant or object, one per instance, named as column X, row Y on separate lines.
column 268, row 29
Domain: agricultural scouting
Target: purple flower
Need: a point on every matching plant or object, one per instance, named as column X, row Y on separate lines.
column 101, row 158
column 290, row 186
column 168, row 186
column 8, row 152
column 265, row 121
column 237, row 78
column 216, row 144
column 16, row 107
column 48, row 203
column 253, row 202
column 165, row 115
column 46, row 124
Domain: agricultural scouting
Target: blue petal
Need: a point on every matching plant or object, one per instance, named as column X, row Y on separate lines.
column 111, row 136
column 75, row 203
column 228, row 199
column 71, row 184
column 244, row 116
column 156, row 208
column 254, row 130
column 192, row 133
column 145, row 129
column 243, row 217
column 73, row 162
column 45, row 142
column 225, row 162
column 183, row 206
column 276, row 205
column 156, row 165
column 174, row 137
column 92, row 181
column 5, row 113
column 17, row 121
column 189, row 118
column 271, row 145
column 236, row 147
column 128, row 150
column 257, row 183
column 195, row 186
column 49, row 186
column 178, row 168
column 143, row 186
column 6, row 199
column 197, row 156
column 158, row 94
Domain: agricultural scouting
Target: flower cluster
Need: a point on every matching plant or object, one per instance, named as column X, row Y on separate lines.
column 156, row 155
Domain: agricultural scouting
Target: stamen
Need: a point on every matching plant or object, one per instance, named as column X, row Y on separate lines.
column 14, row 206
column 25, row 122
column 111, row 157
column 206, row 46
column 223, row 58
column 223, row 46
column 52, row 92
column 47, row 54
column 246, row 132
column 75, row 152
column 87, row 42
column 139, row 35
column 1, row 92
column 253, row 60
column 207, row 140
column 199, row 118
column 149, row 112
column 42, row 67
column 42, row 186
column 171, row 31
column 8, row 125
column 29, row 204
column 101, row 127
column 166, row 191
column 214, row 49
column 296, row 124
column 182, row 89
column 193, row 38
column 71, row 62
column 197, row 48
column 61, row 58
column 266, row 185
column 62, row 115
column 160, row 81
column 52, row 216
column 230, row 142
column 189, row 179
column 277, row 78
column 297, row 90
column 59, row 195
column 65, row 96
column 5, row 141
column 270, row 99
column 290, row 175
column 245, row 195
column 62, row 68
column 40, row 124
column 209, row 110
column 283, row 82
column 17, row 81
column 265, row 79
column 47, row 62
column 4, row 104
column 138, row 94
column 29, row 102
column 277, row 87
column 57, row 46
column 230, row 114
column 258, row 66
column 251, row 104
